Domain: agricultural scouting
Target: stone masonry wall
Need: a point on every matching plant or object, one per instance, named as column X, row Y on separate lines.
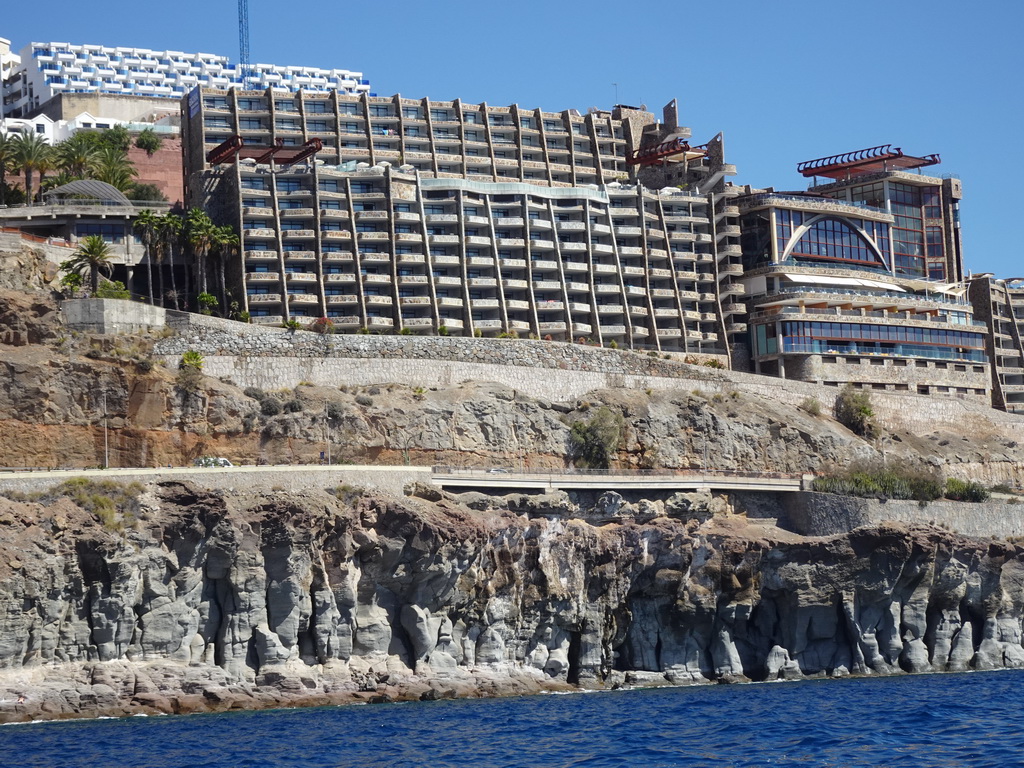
column 274, row 358
column 826, row 514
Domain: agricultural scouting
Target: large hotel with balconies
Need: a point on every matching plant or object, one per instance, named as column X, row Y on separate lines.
column 860, row 279
column 393, row 214
column 46, row 70
column 1000, row 303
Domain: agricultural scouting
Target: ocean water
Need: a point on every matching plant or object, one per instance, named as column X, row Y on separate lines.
column 927, row 720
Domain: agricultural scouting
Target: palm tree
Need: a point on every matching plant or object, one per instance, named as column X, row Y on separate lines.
column 76, row 155
column 93, row 255
column 31, row 152
column 200, row 233
column 226, row 243
column 147, row 224
column 7, row 153
column 170, row 235
column 114, row 167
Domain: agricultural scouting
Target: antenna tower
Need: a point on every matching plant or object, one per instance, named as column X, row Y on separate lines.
column 243, row 40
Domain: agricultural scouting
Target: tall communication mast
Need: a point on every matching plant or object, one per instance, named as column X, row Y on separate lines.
column 243, row 40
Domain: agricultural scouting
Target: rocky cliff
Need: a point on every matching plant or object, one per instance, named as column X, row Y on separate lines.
column 171, row 599
column 58, row 389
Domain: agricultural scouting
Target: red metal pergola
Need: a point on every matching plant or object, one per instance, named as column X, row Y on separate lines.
column 653, row 154
column 871, row 160
column 234, row 149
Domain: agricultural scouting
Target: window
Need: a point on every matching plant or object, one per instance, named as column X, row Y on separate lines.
column 412, row 113
column 440, row 114
column 380, row 110
column 403, row 208
column 317, row 125
column 348, row 108
column 317, row 107
column 254, row 182
column 363, row 187
column 329, row 185
column 288, row 185
column 111, row 233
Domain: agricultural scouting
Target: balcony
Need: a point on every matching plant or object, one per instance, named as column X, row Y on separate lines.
column 549, row 327
column 265, row 298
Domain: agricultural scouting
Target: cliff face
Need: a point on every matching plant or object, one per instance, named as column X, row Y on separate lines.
column 54, row 386
column 190, row 600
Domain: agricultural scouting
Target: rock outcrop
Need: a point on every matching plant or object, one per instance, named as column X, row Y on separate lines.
column 186, row 600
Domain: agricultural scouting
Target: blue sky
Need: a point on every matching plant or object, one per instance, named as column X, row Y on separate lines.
column 786, row 81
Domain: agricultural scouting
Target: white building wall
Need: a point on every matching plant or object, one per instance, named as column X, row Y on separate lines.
column 51, row 68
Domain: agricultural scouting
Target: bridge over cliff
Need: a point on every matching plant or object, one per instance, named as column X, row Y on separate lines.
column 617, row 480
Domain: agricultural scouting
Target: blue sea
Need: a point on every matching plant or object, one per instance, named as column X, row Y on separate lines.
column 928, row 720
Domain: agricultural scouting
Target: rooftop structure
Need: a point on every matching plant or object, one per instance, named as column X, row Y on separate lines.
column 828, row 300
column 47, row 69
column 926, row 209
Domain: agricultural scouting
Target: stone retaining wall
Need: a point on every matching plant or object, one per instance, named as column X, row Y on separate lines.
column 826, row 514
column 273, row 358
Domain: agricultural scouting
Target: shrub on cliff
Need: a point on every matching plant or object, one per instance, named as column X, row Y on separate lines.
column 883, row 482
column 113, row 504
column 966, row 490
column 594, row 441
column 854, row 411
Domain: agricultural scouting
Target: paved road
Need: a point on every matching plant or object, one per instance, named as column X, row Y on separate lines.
column 446, row 478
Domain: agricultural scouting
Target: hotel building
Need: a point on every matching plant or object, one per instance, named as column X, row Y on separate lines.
column 48, row 69
column 470, row 219
column 1000, row 303
column 860, row 279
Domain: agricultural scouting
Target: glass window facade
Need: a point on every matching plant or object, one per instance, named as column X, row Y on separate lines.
column 831, row 239
column 813, row 337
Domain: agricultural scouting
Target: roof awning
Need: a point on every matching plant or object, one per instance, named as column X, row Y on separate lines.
column 950, row 289
column 859, row 282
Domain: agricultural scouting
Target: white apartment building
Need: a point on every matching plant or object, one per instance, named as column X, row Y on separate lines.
column 47, row 69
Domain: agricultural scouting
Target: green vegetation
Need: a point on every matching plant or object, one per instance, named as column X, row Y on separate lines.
column 890, row 482
column 961, row 490
column 854, row 411
column 113, row 504
column 191, row 359
column 113, row 289
column 594, row 441
column 92, row 257
column 812, row 406
column 148, row 141
column 900, row 481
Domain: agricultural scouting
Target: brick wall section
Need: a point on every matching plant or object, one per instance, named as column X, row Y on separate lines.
column 163, row 168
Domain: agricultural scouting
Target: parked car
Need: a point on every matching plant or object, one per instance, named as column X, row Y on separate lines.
column 213, row 461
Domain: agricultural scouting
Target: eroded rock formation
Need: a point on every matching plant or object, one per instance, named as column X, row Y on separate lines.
column 198, row 600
